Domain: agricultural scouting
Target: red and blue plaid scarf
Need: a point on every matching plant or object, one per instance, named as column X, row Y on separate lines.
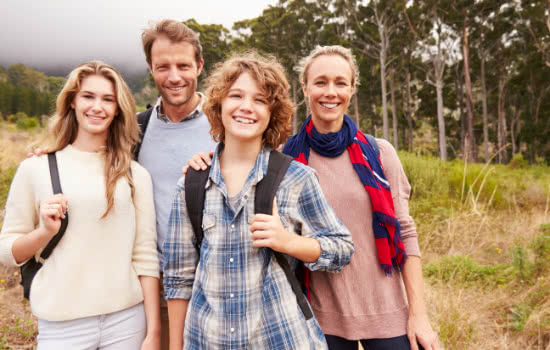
column 387, row 233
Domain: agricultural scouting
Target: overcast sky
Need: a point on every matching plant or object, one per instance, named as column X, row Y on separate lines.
column 47, row 33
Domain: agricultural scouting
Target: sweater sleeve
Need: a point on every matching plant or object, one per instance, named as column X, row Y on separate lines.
column 22, row 214
column 144, row 256
column 400, row 190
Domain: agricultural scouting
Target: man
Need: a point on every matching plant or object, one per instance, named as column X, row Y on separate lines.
column 176, row 127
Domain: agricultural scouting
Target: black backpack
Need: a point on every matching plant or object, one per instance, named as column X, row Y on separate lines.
column 195, row 182
column 31, row 267
column 143, row 121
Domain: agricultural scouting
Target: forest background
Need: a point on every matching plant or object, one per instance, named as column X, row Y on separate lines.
column 460, row 88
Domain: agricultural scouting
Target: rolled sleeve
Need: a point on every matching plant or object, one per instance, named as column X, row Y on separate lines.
column 321, row 223
column 180, row 255
column 144, row 255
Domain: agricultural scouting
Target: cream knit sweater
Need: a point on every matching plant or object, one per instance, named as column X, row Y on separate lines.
column 95, row 267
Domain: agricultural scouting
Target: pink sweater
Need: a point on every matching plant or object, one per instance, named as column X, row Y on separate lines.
column 360, row 302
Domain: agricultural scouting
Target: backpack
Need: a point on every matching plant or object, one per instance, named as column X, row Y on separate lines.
column 143, row 121
column 372, row 141
column 31, row 267
column 195, row 182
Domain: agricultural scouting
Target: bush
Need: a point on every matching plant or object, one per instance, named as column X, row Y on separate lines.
column 463, row 269
column 518, row 162
column 26, row 123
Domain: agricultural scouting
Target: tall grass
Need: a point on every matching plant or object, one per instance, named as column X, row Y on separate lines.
column 484, row 231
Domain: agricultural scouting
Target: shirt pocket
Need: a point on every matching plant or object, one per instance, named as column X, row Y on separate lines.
column 209, row 225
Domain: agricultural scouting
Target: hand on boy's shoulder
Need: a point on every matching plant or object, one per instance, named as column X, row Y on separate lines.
column 38, row 152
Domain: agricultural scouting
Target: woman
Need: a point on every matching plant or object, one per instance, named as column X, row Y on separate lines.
column 99, row 287
column 366, row 301
column 233, row 294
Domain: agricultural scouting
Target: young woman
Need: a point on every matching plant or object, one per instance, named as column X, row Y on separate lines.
column 366, row 301
column 234, row 295
column 99, row 287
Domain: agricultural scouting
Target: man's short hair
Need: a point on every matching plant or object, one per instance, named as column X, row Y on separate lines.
column 175, row 31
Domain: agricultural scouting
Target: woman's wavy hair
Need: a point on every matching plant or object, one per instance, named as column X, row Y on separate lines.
column 123, row 132
column 269, row 74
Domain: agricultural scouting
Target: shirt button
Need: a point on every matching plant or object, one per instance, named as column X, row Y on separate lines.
column 231, row 295
column 232, row 226
column 231, row 260
column 232, row 329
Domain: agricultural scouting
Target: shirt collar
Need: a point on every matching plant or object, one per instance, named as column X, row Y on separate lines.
column 195, row 113
column 256, row 175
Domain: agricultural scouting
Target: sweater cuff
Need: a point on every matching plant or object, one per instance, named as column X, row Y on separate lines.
column 411, row 246
column 6, row 254
column 152, row 272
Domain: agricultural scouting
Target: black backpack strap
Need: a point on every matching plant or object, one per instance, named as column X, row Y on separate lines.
column 372, row 141
column 267, row 187
column 263, row 204
column 143, row 121
column 195, row 182
column 56, row 185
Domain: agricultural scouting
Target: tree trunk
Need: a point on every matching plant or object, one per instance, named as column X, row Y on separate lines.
column 356, row 111
column 408, row 113
column 382, row 56
column 460, row 106
column 484, row 105
column 393, row 110
column 295, row 98
column 469, row 98
column 501, row 123
column 440, row 120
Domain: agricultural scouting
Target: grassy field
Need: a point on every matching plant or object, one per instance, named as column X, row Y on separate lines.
column 484, row 232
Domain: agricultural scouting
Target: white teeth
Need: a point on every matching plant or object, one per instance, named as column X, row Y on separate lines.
column 175, row 88
column 330, row 105
column 244, row 120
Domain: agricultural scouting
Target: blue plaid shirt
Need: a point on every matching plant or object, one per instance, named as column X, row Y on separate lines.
column 239, row 296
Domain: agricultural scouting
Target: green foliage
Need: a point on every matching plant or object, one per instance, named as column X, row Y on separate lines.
column 518, row 162
column 29, row 91
column 464, row 270
column 521, row 263
column 438, row 187
column 27, row 123
column 519, row 315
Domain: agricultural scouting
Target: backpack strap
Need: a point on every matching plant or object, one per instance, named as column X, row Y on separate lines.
column 372, row 141
column 56, row 185
column 195, row 182
column 267, row 187
column 143, row 121
column 263, row 204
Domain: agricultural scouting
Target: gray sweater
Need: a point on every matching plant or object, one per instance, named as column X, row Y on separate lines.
column 165, row 149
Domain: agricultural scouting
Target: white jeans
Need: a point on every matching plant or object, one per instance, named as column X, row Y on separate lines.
column 124, row 330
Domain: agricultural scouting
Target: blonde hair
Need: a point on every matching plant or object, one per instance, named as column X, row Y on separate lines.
column 270, row 77
column 123, row 132
column 334, row 50
column 176, row 31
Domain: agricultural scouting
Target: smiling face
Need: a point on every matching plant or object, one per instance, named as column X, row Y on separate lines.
column 174, row 70
column 95, row 106
column 328, row 91
column 245, row 111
